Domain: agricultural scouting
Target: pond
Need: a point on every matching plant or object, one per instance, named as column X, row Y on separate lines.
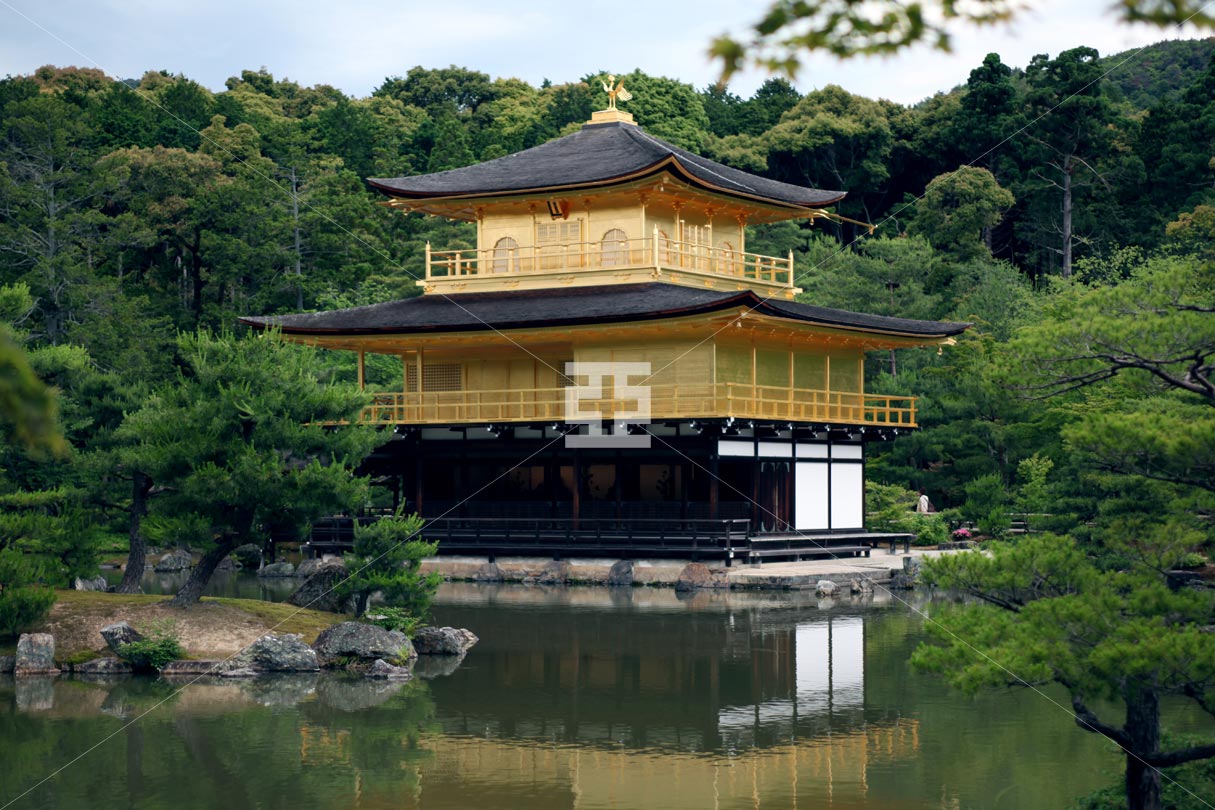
column 575, row 698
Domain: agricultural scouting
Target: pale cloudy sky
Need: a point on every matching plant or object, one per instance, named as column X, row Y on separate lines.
column 356, row 44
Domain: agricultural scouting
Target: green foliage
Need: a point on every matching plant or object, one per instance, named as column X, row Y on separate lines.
column 848, row 28
column 240, row 439
column 396, row 618
column 387, row 557
column 892, row 509
column 24, row 599
column 959, row 209
column 986, row 505
column 159, row 646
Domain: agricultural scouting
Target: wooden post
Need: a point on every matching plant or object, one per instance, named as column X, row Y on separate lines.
column 428, row 274
column 654, row 246
column 790, row 282
column 362, row 372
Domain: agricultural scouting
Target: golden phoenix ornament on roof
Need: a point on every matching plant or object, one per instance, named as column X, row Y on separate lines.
column 615, row 91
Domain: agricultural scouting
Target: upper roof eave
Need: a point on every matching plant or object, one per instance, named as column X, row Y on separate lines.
column 598, row 156
column 611, row 304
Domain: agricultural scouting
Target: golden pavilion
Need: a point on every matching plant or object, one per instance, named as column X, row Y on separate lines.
column 610, row 372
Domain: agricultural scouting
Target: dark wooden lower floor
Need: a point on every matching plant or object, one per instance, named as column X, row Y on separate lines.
column 699, row 491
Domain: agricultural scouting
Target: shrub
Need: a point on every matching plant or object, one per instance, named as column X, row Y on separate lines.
column 23, row 601
column 929, row 530
column 1192, row 560
column 395, row 618
column 387, row 557
column 159, row 646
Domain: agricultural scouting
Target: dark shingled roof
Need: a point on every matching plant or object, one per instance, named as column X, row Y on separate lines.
column 582, row 305
column 596, row 155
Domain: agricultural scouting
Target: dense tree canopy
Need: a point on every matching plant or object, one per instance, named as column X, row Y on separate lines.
column 1066, row 209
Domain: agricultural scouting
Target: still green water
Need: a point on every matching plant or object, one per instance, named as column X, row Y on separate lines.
column 575, row 698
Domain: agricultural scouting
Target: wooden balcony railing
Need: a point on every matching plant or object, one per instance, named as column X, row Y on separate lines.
column 652, row 252
column 703, row 401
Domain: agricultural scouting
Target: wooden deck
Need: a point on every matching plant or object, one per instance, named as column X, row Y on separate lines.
column 722, row 540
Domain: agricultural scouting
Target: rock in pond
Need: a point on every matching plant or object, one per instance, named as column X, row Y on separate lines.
column 385, row 670
column 489, row 572
column 177, row 560
column 103, row 666
column 196, row 667
column 35, row 655
column 118, row 634
column 249, row 555
column 443, row 641
column 276, row 653
column 281, row 569
column 7, row 664
column 826, row 587
column 97, row 583
column 362, row 641
column 621, row 574
column 695, row 576
column 554, row 573
column 317, row 591
column 311, row 566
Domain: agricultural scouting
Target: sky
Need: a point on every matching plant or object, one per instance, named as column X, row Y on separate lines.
column 355, row 45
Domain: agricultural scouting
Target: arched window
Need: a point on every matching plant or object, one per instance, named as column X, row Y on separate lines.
column 613, row 248
column 505, row 255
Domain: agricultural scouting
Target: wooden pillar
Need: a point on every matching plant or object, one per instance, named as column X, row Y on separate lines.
column 576, row 507
column 362, row 370
column 418, row 476
column 713, row 484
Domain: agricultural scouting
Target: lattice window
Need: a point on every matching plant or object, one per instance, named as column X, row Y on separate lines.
column 442, row 377
column 664, row 248
column 553, row 239
column 559, row 233
column 435, row 377
column 695, row 234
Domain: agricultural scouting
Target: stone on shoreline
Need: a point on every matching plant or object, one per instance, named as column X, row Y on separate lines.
column 118, row 634
column 199, row 667
column 355, row 640
column 695, row 576
column 443, row 641
column 97, row 583
column 103, row 666
column 311, row 566
column 826, row 587
column 35, row 655
column 317, row 591
column 7, row 664
column 176, row 560
column 249, row 555
column 280, row 569
column 554, row 573
column 490, row 572
column 621, row 574
column 275, row 653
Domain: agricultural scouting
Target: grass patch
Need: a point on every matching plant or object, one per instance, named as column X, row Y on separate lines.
column 289, row 618
column 214, row 628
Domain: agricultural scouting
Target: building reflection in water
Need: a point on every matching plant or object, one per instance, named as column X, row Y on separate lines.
column 697, row 704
